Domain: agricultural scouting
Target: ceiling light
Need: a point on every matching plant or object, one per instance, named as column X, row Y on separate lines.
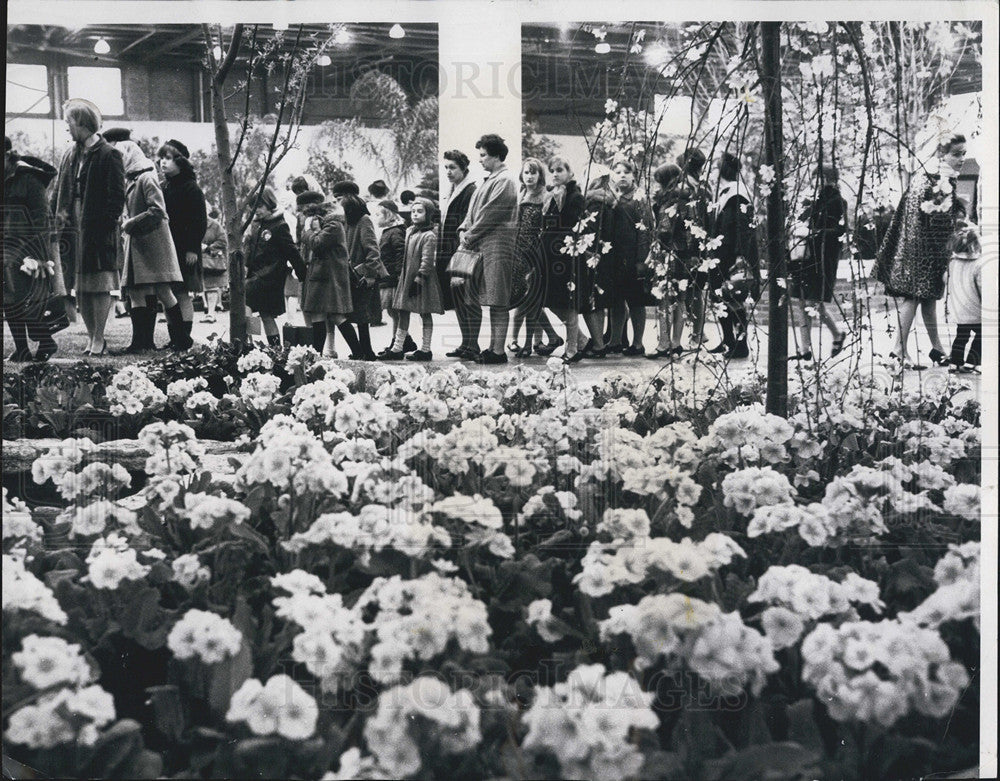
column 217, row 52
column 343, row 36
column 397, row 31
column 324, row 60
column 603, row 48
column 102, row 46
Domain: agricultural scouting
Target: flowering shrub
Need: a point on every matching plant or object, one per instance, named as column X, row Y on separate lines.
column 414, row 573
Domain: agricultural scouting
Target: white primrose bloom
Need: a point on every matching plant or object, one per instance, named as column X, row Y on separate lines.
column 207, row 636
column 254, row 361
column 44, row 662
column 279, row 707
column 67, row 716
column 17, row 521
column 259, row 390
column 23, row 591
column 188, row 570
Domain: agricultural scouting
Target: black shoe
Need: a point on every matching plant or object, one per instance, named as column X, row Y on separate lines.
column 420, row 355
column 806, row 356
column 616, row 349
column 524, row 352
column 721, row 347
column 595, row 354
column 632, row 350
column 20, row 356
column 490, row 357
column 46, row 351
column 657, row 354
column 365, row 357
column 392, row 355
column 738, row 352
column 838, row 344
column 409, row 345
column 551, row 347
column 471, row 354
column 458, row 352
column 939, row 358
column 574, row 358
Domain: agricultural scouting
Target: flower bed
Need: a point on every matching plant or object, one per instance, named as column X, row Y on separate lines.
column 465, row 574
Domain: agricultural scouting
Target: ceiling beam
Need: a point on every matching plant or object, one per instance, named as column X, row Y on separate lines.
column 136, row 42
column 170, row 45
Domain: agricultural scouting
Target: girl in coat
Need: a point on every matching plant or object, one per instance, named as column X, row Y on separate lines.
column 568, row 281
column 814, row 277
column 188, row 215
column 418, row 290
column 215, row 264
column 151, row 265
column 366, row 269
column 326, row 287
column 27, row 234
column 270, row 252
column 392, row 251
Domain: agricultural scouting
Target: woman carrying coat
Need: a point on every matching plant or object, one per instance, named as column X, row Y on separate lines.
column 326, row 288
column 366, row 266
column 188, row 215
column 418, row 290
column 150, row 266
column 270, row 251
column 568, row 280
column 27, row 232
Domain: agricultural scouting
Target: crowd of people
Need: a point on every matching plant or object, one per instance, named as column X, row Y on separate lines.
column 522, row 245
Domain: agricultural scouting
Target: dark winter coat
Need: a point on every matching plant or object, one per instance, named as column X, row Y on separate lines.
column 563, row 271
column 733, row 222
column 813, row 278
column 392, row 250
column 27, row 230
column 150, row 256
column 101, row 185
column 326, row 288
column 366, row 271
column 630, row 243
column 271, row 251
column 188, row 221
column 454, row 216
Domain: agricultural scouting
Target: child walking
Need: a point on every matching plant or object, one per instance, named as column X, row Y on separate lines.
column 965, row 300
column 418, row 289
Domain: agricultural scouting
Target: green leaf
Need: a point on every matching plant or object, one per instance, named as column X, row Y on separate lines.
column 663, row 766
column 802, row 727
column 144, row 620
column 228, row 675
column 261, row 758
column 168, row 710
column 117, row 752
column 763, row 761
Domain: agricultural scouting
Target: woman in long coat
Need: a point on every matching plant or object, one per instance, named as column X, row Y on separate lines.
column 418, row 289
column 270, row 251
column 27, row 233
column 150, row 265
column 568, row 280
column 814, row 277
column 914, row 256
column 366, row 271
column 188, row 215
column 326, row 289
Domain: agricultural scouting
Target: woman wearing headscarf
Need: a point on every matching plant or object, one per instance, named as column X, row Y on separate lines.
column 366, row 266
column 27, row 233
column 188, row 215
column 271, row 251
column 89, row 200
column 915, row 254
column 326, row 288
column 150, row 260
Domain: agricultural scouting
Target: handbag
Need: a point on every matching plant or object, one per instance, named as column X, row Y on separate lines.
column 464, row 262
column 215, row 261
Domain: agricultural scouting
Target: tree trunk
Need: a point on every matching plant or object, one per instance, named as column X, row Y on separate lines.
column 777, row 315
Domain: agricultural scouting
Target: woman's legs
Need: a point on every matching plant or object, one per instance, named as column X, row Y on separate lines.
column 211, row 303
column 19, row 331
column 595, row 324
column 270, row 327
column 571, row 319
column 101, row 308
column 402, row 331
column 617, row 315
column 906, row 309
column 664, row 325
column 542, row 319
column 637, row 316
column 829, row 321
column 962, row 337
column 804, row 344
column 365, row 341
column 519, row 317
column 928, row 312
column 428, row 332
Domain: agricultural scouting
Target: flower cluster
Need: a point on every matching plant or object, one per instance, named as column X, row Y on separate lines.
column 279, row 707
column 207, row 636
column 424, row 712
column 255, row 361
column 415, row 619
column 880, row 672
column 179, row 390
column 67, row 716
column 131, row 392
column 23, row 591
column 17, row 521
column 203, row 511
column 587, row 723
column 173, row 449
column 188, row 570
column 750, row 436
column 373, row 528
column 44, row 662
column 259, row 390
column 289, row 456
column 747, row 489
column 90, row 519
column 957, row 597
column 963, row 500
column 604, row 567
column 795, row 596
column 112, row 560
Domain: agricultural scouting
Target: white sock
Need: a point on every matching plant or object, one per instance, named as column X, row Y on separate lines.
column 428, row 332
column 399, row 341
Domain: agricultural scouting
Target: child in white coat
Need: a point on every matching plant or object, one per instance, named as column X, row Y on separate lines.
column 965, row 300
